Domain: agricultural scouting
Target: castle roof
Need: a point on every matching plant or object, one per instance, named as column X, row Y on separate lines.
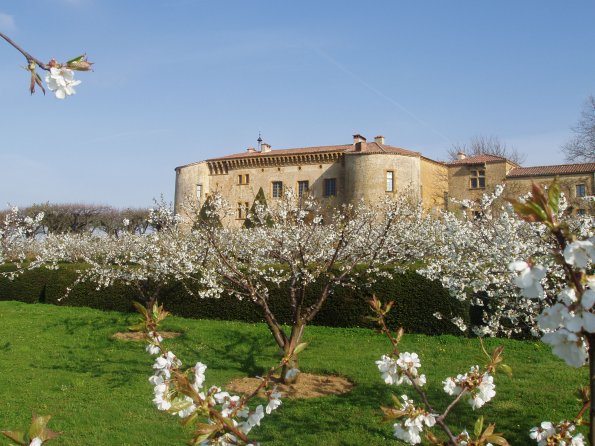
column 559, row 169
column 368, row 148
column 478, row 159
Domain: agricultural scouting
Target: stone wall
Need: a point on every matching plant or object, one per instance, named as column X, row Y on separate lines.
column 434, row 184
column 459, row 179
column 366, row 176
column 516, row 187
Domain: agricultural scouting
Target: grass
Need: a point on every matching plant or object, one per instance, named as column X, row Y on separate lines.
column 62, row 361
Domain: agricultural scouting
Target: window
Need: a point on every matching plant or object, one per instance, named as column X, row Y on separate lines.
column 330, row 187
column 244, row 179
column 243, row 210
column 390, row 185
column 478, row 179
column 198, row 192
column 581, row 190
column 303, row 188
column 277, row 189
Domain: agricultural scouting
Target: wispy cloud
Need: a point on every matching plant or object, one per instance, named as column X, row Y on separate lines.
column 7, row 23
column 381, row 94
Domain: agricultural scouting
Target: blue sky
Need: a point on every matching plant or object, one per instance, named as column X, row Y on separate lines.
column 177, row 81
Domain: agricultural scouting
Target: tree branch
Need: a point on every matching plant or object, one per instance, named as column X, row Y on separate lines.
column 29, row 57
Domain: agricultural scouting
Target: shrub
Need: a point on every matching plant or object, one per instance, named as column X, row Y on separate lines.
column 416, row 300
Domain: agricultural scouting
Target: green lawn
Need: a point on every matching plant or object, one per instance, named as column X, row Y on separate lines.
column 62, row 361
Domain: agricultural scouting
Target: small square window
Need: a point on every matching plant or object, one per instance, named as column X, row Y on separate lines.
column 303, row 187
column 478, row 179
column 277, row 189
column 330, row 187
column 243, row 179
column 581, row 190
column 390, row 181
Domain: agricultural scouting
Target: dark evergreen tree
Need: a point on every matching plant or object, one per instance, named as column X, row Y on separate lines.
column 207, row 214
column 251, row 221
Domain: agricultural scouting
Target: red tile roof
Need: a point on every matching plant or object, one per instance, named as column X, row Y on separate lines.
column 559, row 169
column 371, row 147
column 479, row 159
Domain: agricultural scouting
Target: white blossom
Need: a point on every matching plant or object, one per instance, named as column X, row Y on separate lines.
column 579, row 253
column 61, row 82
column 571, row 347
column 529, row 278
column 561, row 434
column 409, row 428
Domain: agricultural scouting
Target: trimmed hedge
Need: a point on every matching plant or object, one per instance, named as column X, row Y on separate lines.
column 416, row 300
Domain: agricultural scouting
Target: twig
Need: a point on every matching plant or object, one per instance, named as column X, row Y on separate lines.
column 29, row 57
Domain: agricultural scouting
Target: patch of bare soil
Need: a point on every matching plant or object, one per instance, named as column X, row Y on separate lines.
column 140, row 336
column 308, row 386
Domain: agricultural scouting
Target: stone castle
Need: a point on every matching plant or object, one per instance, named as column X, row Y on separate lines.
column 365, row 170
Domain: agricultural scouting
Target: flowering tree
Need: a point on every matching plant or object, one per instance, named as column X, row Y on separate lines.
column 476, row 387
column 567, row 322
column 306, row 245
column 473, row 253
column 60, row 77
column 147, row 261
column 16, row 238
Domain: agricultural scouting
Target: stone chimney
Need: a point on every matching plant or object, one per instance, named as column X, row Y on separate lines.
column 461, row 156
column 264, row 147
column 251, row 150
column 379, row 139
column 359, row 142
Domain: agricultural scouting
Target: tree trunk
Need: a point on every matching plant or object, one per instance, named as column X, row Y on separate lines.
column 297, row 332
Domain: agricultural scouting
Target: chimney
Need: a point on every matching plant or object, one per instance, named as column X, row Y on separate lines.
column 359, row 142
column 251, row 150
column 264, row 147
column 461, row 156
column 379, row 139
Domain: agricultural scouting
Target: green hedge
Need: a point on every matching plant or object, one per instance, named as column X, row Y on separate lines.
column 416, row 300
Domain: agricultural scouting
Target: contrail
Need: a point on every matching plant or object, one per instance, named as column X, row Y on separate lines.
column 382, row 95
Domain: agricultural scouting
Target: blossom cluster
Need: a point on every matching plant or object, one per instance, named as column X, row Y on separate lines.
column 411, row 420
column 414, row 420
column 566, row 323
column 561, row 434
column 182, row 393
column 398, row 371
column 479, row 386
column 61, row 82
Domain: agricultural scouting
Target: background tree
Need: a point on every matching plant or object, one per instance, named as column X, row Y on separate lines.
column 486, row 145
column 207, row 214
column 252, row 221
column 582, row 147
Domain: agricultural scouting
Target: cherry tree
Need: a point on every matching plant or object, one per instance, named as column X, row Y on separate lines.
column 311, row 249
column 17, row 239
column 472, row 257
column 147, row 261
